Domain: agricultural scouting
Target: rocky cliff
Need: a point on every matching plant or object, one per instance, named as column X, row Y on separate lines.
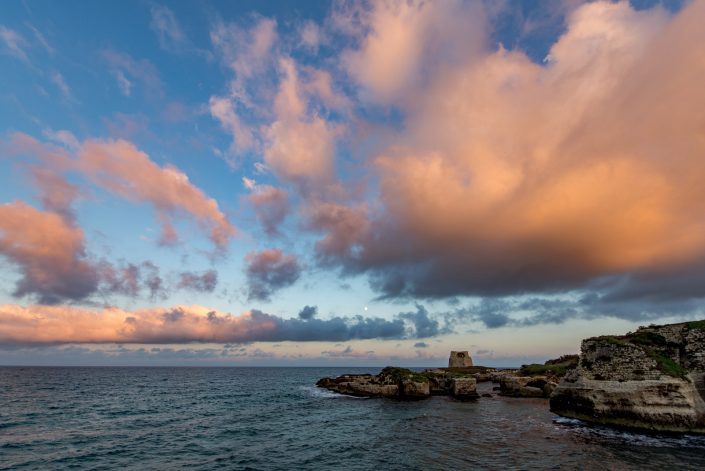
column 650, row 379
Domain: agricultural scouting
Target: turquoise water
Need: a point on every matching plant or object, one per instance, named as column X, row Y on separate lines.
column 274, row 418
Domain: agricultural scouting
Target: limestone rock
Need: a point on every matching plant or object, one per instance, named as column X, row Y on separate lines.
column 411, row 389
column 401, row 383
column 651, row 379
column 525, row 386
column 459, row 360
column 464, row 388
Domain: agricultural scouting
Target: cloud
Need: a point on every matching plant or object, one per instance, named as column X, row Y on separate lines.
column 249, row 53
column 299, row 147
column 348, row 352
column 14, row 43
column 406, row 40
column 49, row 252
column 224, row 110
column 63, row 87
column 510, row 177
column 269, row 271
column 204, row 282
column 42, row 39
column 271, row 207
column 424, row 326
column 166, row 26
column 421, row 345
column 308, row 312
column 246, row 51
column 119, row 167
column 124, row 67
column 179, row 324
column 57, row 194
column 310, row 36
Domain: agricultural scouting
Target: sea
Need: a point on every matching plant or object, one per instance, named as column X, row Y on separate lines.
column 276, row 419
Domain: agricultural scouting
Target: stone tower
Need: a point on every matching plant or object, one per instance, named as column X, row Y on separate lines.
column 459, row 360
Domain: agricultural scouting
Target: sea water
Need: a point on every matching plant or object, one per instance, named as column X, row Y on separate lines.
column 276, row 419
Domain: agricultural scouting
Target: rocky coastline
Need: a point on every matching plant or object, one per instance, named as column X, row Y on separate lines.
column 459, row 380
column 652, row 379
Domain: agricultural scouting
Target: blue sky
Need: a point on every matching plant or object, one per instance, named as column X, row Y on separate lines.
column 347, row 182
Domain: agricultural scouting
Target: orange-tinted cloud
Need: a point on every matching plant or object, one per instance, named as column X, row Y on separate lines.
column 299, row 145
column 49, row 252
column 510, row 176
column 178, row 324
column 121, row 168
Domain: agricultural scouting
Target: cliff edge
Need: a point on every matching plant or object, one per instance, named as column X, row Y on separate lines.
column 651, row 379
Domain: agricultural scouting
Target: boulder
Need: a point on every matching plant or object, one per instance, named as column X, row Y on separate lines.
column 411, row 389
column 464, row 388
column 524, row 386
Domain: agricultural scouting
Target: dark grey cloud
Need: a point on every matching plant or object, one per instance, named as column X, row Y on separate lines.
column 205, row 282
column 336, row 329
column 269, row 271
column 424, row 325
column 308, row 312
column 421, row 345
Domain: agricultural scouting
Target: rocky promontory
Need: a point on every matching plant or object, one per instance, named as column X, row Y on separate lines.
column 652, row 379
column 402, row 383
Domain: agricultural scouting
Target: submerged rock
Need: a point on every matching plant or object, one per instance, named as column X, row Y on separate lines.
column 651, row 379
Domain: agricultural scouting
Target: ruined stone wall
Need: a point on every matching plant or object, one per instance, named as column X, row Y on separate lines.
column 604, row 360
column 695, row 350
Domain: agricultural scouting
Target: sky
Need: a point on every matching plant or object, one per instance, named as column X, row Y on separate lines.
column 346, row 183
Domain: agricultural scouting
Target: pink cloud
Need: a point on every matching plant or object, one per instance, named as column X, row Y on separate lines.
column 271, row 206
column 41, row 324
column 49, row 251
column 119, row 167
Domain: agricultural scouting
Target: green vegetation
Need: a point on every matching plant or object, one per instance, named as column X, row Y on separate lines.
column 398, row 374
column 557, row 367
column 668, row 366
column 699, row 325
column 655, row 346
column 647, row 339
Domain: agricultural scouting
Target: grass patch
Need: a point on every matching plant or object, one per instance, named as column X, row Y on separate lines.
column 647, row 339
column 557, row 367
column 654, row 346
column 697, row 325
column 399, row 374
column 668, row 366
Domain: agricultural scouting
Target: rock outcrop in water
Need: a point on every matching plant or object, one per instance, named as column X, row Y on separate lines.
column 536, row 380
column 401, row 383
column 651, row 379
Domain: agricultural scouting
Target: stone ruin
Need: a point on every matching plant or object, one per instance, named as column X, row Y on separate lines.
column 459, row 360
